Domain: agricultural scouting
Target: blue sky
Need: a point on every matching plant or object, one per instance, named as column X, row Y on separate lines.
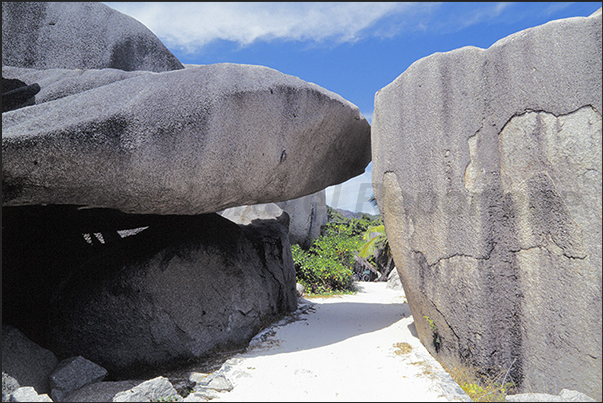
column 353, row 49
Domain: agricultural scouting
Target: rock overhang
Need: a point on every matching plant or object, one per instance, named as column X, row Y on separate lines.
column 206, row 138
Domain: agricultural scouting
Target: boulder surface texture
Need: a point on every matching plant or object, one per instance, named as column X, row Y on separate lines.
column 9, row 385
column 487, row 170
column 86, row 35
column 25, row 361
column 182, row 288
column 565, row 396
column 154, row 390
column 307, row 215
column 72, row 374
column 190, row 141
column 103, row 391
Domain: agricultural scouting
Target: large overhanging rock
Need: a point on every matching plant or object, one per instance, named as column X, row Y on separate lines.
column 190, row 141
column 487, row 170
column 76, row 35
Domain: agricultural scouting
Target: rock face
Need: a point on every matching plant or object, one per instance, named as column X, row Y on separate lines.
column 9, row 385
column 231, row 135
column 72, row 374
column 79, row 36
column 245, row 215
column 28, row 394
column 25, row 361
column 306, row 216
column 59, row 83
column 100, row 391
column 565, row 396
column 393, row 280
column 154, row 390
column 182, row 288
column 487, row 171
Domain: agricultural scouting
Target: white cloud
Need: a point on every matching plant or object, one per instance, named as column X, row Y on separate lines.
column 193, row 25
column 556, row 7
column 486, row 11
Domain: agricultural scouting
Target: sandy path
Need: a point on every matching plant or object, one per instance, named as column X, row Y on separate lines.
column 341, row 349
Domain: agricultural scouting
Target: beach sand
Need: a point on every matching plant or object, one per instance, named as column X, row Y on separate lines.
column 360, row 347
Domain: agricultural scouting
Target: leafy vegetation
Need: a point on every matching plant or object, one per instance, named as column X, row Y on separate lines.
column 373, row 237
column 377, row 250
column 327, row 265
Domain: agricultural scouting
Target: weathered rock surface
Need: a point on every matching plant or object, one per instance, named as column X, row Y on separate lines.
column 28, row 394
column 72, row 374
column 153, row 390
column 565, row 396
column 216, row 382
column 306, row 216
column 74, row 35
column 300, row 289
column 9, row 385
column 60, row 83
column 393, row 280
column 201, row 396
column 101, row 391
column 245, row 215
column 230, row 135
column 179, row 290
column 25, row 361
column 487, row 171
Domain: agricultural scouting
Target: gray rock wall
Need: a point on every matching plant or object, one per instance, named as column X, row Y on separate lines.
column 487, row 171
column 308, row 214
column 72, row 35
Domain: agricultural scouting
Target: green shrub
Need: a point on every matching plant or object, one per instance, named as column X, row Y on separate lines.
column 327, row 264
column 319, row 273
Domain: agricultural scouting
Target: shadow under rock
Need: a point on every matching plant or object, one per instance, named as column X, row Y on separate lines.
column 413, row 329
column 332, row 323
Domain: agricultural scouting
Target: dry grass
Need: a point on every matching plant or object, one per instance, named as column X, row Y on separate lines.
column 479, row 388
column 402, row 348
column 426, row 369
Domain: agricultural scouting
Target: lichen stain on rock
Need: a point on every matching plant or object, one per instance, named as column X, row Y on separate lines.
column 551, row 167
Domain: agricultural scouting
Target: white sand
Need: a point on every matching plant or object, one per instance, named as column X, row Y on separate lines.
column 341, row 349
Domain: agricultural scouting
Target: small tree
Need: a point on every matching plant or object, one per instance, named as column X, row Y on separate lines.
column 377, row 245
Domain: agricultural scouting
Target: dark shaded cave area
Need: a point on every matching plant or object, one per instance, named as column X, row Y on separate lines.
column 43, row 246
